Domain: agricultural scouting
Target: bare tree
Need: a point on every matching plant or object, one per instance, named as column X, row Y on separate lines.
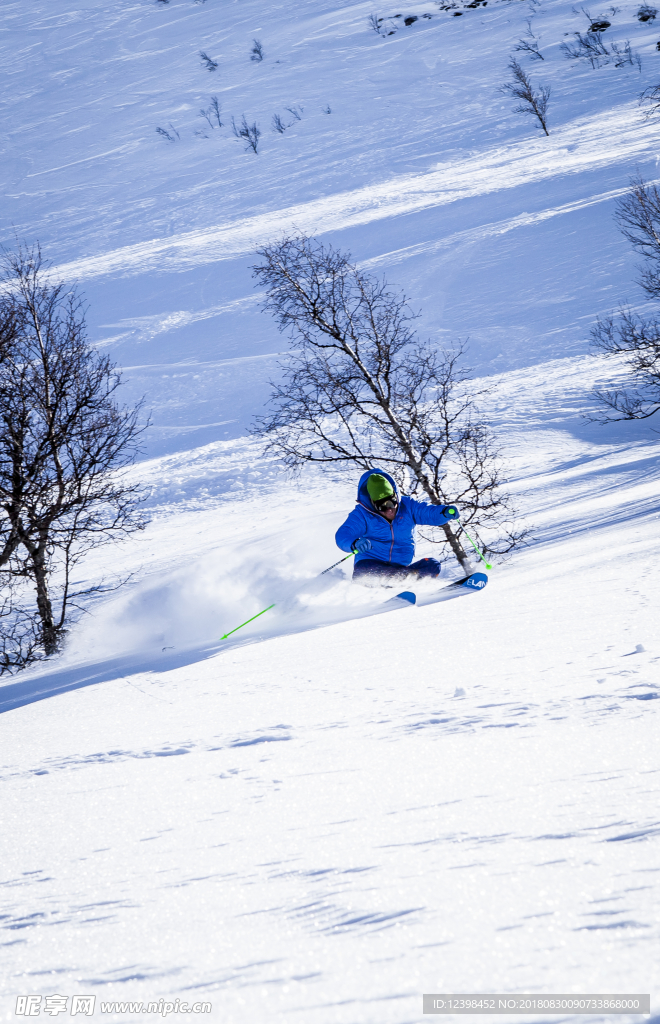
column 278, row 124
column 359, row 387
column 63, row 439
column 639, row 341
column 257, row 51
column 531, row 102
column 530, row 44
column 297, row 112
column 208, row 62
column 374, row 22
column 626, row 333
column 249, row 133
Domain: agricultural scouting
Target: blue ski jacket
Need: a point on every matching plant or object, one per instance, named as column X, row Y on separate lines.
column 390, row 541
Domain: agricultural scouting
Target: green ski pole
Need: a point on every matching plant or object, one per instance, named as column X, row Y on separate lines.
column 273, row 605
column 246, row 621
column 475, row 546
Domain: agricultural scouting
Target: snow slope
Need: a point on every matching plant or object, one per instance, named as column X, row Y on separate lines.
column 336, row 810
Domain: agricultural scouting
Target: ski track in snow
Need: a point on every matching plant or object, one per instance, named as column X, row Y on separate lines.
column 577, row 147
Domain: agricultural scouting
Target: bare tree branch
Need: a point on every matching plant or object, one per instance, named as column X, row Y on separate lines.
column 638, row 340
column 530, row 44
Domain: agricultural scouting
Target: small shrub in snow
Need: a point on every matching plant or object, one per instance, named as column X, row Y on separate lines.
column 278, row 124
column 327, row 109
column 207, row 61
column 646, row 13
column 374, row 22
column 623, row 55
column 257, row 51
column 212, row 113
column 410, row 20
column 589, row 46
column 531, row 102
column 205, row 114
column 248, row 133
column 171, row 136
column 216, row 109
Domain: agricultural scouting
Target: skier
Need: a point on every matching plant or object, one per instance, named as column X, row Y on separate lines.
column 380, row 529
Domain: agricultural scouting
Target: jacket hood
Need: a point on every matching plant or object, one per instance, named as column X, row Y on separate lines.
column 362, row 492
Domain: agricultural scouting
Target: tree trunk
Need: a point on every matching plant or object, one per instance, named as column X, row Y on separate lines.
column 457, row 547
column 48, row 629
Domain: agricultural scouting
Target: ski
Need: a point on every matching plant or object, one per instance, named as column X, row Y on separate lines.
column 466, row 585
column 475, row 581
column 471, row 584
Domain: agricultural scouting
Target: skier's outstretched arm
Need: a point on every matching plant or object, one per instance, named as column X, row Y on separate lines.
column 354, row 527
column 433, row 515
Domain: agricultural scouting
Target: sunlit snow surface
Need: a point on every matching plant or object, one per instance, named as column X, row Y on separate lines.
column 339, row 807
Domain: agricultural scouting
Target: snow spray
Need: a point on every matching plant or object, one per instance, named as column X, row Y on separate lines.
column 273, row 605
